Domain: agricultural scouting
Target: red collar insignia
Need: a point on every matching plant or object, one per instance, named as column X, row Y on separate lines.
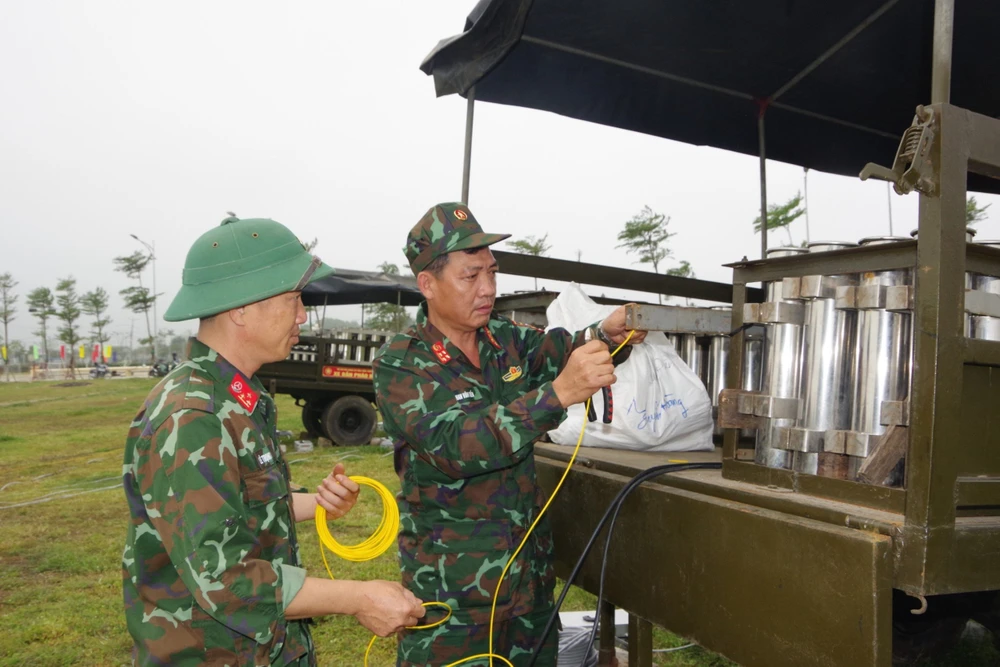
column 440, row 352
column 492, row 339
column 241, row 391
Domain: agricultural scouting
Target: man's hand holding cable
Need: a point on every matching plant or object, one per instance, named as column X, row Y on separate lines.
column 589, row 368
column 387, row 607
column 337, row 493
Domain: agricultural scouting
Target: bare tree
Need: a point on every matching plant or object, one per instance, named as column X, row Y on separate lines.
column 68, row 302
column 974, row 212
column 7, row 310
column 780, row 216
column 41, row 303
column 531, row 245
column 388, row 316
column 95, row 304
column 138, row 299
column 646, row 235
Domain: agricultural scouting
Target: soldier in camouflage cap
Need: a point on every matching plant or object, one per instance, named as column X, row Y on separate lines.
column 465, row 394
column 211, row 568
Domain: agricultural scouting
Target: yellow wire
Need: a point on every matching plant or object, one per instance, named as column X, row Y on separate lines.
column 373, row 547
column 572, row 459
column 385, row 534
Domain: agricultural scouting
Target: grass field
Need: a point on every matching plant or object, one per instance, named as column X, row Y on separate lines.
column 63, row 520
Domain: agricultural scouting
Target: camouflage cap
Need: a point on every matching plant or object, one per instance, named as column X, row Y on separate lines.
column 445, row 228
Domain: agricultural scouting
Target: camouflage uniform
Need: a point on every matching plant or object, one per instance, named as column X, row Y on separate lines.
column 211, row 558
column 464, row 442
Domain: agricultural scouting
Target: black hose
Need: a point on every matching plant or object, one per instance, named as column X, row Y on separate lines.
column 615, row 505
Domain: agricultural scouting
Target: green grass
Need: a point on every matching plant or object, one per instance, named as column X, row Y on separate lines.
column 60, row 580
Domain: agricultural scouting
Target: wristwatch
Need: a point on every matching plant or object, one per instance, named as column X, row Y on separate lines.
column 603, row 337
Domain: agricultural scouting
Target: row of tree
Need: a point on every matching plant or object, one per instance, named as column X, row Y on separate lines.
column 66, row 306
column 645, row 236
column 781, row 216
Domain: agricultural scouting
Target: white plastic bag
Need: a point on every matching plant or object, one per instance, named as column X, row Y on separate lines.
column 660, row 405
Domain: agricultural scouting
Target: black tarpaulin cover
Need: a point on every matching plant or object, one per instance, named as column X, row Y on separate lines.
column 348, row 286
column 700, row 71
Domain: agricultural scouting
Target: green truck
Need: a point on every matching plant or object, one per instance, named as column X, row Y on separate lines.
column 330, row 374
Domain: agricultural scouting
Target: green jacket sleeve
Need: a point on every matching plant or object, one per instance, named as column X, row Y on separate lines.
column 547, row 351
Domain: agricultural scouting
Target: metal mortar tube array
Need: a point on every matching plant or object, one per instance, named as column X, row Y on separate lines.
column 781, row 368
column 882, row 333
column 718, row 362
column 692, row 353
column 828, row 363
column 752, row 371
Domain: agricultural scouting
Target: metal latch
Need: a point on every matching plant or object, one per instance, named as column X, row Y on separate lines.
column 911, row 158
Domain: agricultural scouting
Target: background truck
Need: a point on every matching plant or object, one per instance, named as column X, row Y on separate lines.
column 330, row 374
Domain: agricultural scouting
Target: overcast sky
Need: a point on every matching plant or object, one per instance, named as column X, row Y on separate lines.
column 155, row 118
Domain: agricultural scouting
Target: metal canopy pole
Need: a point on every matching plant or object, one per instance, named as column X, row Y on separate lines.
column 763, row 185
column 467, row 163
column 944, row 30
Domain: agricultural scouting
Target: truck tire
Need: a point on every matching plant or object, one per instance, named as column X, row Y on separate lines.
column 312, row 420
column 350, row 421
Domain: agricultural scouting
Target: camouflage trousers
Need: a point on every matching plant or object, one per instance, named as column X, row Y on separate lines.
column 513, row 639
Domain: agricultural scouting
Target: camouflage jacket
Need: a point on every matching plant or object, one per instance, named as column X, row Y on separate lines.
column 211, row 542
column 464, row 439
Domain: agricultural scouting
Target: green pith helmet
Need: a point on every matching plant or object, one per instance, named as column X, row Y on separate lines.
column 445, row 228
column 240, row 262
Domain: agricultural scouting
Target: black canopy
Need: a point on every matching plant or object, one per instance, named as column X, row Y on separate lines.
column 348, row 286
column 837, row 82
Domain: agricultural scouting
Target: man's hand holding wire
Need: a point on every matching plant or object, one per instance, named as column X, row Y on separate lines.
column 337, row 493
column 589, row 368
column 387, row 607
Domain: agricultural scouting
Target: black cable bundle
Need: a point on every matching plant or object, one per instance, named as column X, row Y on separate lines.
column 615, row 505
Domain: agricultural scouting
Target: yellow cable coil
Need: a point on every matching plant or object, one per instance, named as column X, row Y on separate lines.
column 388, row 527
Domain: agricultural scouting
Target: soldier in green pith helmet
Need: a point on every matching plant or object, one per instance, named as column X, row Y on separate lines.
column 465, row 394
column 211, row 569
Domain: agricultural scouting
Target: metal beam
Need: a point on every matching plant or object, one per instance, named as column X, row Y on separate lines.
column 885, row 257
column 696, row 84
column 938, row 356
column 944, row 30
column 761, row 146
column 546, row 268
column 823, row 57
column 467, row 159
column 984, row 144
column 640, row 642
column 677, row 319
